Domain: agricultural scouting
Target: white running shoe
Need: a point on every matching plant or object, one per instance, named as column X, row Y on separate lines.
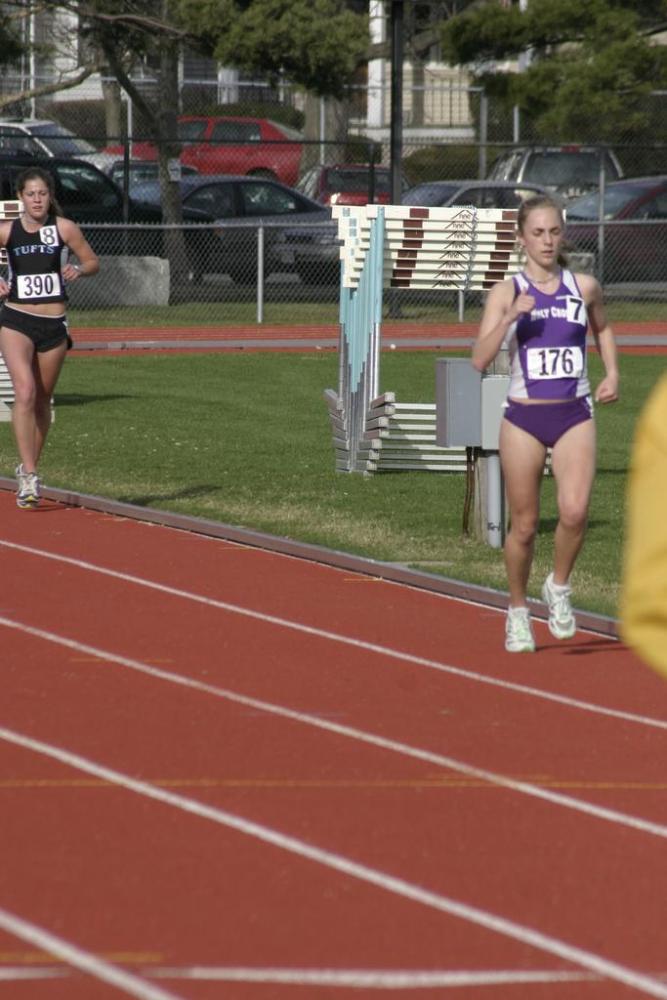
column 27, row 495
column 562, row 623
column 519, row 636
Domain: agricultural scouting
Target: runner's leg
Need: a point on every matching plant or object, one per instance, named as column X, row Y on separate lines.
column 522, row 457
column 46, row 369
column 18, row 353
column 573, row 466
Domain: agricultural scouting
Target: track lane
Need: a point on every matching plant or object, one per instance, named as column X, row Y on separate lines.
column 277, row 773
column 399, row 889
column 374, row 610
column 352, row 683
column 215, row 879
column 405, row 698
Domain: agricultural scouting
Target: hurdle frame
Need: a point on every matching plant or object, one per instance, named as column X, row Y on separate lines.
column 396, row 246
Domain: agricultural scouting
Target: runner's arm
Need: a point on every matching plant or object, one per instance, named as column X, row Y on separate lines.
column 500, row 312
column 603, row 335
column 81, row 248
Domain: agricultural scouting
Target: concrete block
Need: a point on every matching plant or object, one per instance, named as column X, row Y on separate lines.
column 128, row 281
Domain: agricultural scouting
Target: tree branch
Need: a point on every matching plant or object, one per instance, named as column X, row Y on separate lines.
column 148, row 24
column 49, row 88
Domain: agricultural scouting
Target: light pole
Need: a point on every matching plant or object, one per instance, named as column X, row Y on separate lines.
column 524, row 63
column 396, row 124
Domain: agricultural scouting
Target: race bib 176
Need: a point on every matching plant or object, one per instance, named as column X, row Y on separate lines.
column 555, row 362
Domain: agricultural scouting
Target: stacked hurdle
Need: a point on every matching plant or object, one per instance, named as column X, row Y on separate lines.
column 8, row 210
column 393, row 246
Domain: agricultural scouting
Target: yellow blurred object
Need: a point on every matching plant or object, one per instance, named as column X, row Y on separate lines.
column 644, row 583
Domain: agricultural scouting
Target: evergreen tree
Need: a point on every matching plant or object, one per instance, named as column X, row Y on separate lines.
column 591, row 66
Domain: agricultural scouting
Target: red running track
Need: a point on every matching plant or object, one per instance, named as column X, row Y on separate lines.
column 643, row 337
column 229, row 773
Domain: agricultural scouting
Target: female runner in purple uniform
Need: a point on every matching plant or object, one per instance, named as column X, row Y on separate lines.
column 34, row 338
column 543, row 315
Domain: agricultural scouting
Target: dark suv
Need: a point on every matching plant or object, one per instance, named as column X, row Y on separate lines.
column 87, row 196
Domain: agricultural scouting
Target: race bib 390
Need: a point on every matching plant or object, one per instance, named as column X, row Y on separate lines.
column 38, row 286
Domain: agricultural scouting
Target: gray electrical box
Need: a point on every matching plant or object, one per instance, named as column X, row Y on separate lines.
column 494, row 394
column 458, row 411
column 468, row 405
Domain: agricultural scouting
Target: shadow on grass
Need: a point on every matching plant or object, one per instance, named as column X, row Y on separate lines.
column 549, row 524
column 149, row 499
column 78, row 399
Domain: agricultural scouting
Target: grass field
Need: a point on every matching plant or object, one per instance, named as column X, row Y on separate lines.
column 245, row 439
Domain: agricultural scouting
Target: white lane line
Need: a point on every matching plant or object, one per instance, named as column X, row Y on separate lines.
column 76, row 957
column 369, row 647
column 346, row 866
column 377, row 979
column 360, row 735
column 374, row 979
column 9, row 973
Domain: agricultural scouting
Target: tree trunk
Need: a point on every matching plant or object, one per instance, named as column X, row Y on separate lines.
column 326, row 125
column 168, row 150
column 113, row 110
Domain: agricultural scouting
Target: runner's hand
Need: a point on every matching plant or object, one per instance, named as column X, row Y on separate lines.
column 523, row 303
column 607, row 390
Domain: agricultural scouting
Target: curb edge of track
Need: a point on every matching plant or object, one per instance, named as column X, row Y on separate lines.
column 392, row 572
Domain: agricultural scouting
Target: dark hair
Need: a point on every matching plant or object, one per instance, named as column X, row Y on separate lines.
column 540, row 201
column 39, row 174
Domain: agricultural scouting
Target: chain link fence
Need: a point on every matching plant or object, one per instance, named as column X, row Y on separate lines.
column 245, row 263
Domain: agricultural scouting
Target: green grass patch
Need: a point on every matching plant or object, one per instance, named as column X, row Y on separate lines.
column 232, row 313
column 245, row 439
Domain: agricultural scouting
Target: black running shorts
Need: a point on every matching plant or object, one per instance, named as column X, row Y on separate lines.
column 46, row 332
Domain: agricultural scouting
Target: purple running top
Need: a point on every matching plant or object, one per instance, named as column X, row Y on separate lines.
column 547, row 349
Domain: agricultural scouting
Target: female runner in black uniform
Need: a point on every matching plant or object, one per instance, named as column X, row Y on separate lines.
column 33, row 329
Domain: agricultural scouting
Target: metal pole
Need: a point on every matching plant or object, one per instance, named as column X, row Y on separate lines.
column 32, row 62
column 323, row 136
column 396, row 129
column 494, row 506
column 524, row 61
column 601, row 198
column 260, row 274
column 483, row 135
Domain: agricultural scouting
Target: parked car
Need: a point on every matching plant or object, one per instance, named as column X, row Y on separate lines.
column 315, row 251
column 240, row 205
column 347, row 184
column 41, row 137
column 481, row 194
column 88, row 196
column 232, row 145
column 634, row 246
column 139, row 172
column 570, row 170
